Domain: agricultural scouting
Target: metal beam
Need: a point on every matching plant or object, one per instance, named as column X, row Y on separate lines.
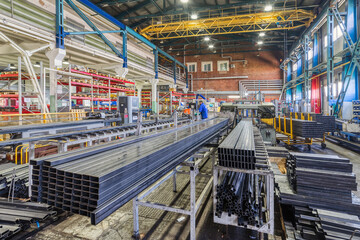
column 243, row 23
column 106, row 3
column 133, row 9
column 60, row 24
column 93, row 27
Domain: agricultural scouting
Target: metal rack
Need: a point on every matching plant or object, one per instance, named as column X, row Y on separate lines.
column 268, row 210
column 194, row 164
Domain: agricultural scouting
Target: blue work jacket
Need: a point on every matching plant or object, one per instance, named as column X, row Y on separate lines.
column 203, row 110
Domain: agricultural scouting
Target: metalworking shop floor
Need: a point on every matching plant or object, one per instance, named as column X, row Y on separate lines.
column 154, row 224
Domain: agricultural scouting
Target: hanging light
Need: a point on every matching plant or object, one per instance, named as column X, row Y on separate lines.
column 206, row 39
column 184, row 1
column 66, row 61
column 268, row 8
column 260, row 42
column 12, row 66
column 261, row 34
column 211, row 46
column 37, row 64
column 194, row 16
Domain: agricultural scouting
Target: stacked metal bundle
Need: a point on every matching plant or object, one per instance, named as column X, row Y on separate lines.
column 98, row 180
column 236, row 195
column 238, row 148
column 16, row 176
column 302, row 128
column 328, row 121
column 323, row 176
column 16, row 216
column 281, row 152
column 319, row 224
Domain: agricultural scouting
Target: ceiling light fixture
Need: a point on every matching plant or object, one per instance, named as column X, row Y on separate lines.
column 211, row 46
column 37, row 64
column 170, row 48
column 260, row 42
column 207, row 39
column 12, row 66
column 234, row 96
column 194, row 16
column 262, row 34
column 66, row 61
column 268, row 8
column 184, row 1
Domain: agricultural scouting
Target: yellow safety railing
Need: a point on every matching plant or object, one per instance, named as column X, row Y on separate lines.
column 41, row 118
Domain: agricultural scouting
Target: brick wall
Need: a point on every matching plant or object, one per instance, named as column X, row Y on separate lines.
column 260, row 66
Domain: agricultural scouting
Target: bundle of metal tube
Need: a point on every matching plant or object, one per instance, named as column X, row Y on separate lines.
column 236, row 195
column 302, row 128
column 15, row 178
column 238, row 148
column 98, row 180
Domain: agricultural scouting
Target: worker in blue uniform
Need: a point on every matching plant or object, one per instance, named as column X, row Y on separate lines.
column 203, row 110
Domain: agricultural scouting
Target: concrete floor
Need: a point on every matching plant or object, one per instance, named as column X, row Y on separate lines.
column 156, row 224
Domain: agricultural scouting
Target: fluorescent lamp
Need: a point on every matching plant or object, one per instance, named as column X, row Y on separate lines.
column 234, row 96
column 194, row 16
column 260, row 42
column 170, row 48
column 207, row 39
column 12, row 66
column 184, row 1
column 268, row 8
column 66, row 61
column 37, row 64
column 211, row 46
column 246, row 94
column 261, row 34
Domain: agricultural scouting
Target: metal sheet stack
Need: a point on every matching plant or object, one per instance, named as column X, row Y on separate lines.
column 322, row 176
column 238, row 148
column 319, row 185
column 98, row 180
column 10, row 172
column 281, row 152
column 236, row 195
column 319, row 224
column 303, row 128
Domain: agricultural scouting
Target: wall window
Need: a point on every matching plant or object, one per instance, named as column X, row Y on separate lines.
column 337, row 32
column 223, row 66
column 192, row 67
column 310, row 54
column 206, row 66
column 325, row 41
column 294, row 66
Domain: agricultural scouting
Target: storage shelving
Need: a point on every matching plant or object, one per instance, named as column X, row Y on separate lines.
column 94, row 90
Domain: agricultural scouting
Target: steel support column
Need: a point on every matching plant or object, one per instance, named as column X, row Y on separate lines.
column 60, row 34
column 307, row 80
column 330, row 59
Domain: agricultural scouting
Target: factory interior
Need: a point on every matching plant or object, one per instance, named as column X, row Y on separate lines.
column 179, row 119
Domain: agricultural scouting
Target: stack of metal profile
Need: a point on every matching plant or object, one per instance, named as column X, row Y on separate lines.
column 328, row 121
column 322, row 181
column 98, row 180
column 16, row 216
column 302, row 128
column 281, row 152
column 236, row 195
column 319, row 224
column 238, row 148
column 15, row 178
column 323, row 176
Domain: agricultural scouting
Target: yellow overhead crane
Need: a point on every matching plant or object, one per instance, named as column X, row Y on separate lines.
column 168, row 28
